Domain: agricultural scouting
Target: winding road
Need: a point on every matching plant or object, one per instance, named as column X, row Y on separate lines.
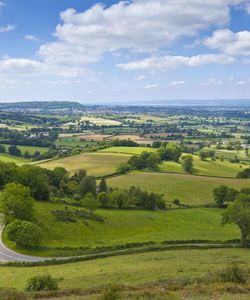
column 7, row 255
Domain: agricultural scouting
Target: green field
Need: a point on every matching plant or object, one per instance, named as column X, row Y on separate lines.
column 73, row 142
column 132, row 269
column 14, row 159
column 97, row 164
column 30, row 149
column 193, row 190
column 129, row 226
column 128, row 150
column 207, row 167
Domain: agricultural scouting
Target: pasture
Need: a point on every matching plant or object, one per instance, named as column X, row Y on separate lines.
column 13, row 159
column 99, row 121
column 132, row 270
column 207, row 167
column 128, row 150
column 192, row 190
column 129, row 226
column 97, row 164
column 30, row 149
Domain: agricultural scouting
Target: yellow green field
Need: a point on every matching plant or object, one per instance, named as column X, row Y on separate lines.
column 193, row 190
column 14, row 159
column 128, row 150
column 97, row 164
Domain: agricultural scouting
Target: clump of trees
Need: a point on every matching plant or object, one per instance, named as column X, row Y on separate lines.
column 223, row 195
column 244, row 174
column 149, row 160
column 187, row 164
column 204, row 154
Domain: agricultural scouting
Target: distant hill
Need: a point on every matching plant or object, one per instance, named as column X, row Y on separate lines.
column 41, row 105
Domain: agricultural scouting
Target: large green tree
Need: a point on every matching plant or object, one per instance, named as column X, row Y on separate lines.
column 16, row 202
column 238, row 213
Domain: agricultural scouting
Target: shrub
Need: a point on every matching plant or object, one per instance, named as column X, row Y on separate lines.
column 41, row 283
column 24, row 233
column 112, row 293
column 233, row 273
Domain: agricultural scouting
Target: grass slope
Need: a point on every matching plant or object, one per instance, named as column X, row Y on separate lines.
column 194, row 190
column 128, row 150
column 97, row 164
column 30, row 149
column 14, row 159
column 127, row 226
column 132, row 269
column 207, row 167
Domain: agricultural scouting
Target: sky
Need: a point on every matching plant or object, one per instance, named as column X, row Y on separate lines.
column 137, row 51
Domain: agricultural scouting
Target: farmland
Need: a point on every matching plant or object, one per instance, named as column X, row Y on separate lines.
column 136, row 227
column 193, row 190
column 97, row 164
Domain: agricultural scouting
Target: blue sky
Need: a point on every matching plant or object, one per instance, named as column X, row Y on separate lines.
column 127, row 52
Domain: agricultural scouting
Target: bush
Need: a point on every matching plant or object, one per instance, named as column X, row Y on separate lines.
column 233, row 273
column 112, row 293
column 41, row 283
column 24, row 233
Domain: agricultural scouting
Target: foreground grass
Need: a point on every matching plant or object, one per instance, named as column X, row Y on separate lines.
column 97, row 164
column 127, row 226
column 130, row 270
column 193, row 190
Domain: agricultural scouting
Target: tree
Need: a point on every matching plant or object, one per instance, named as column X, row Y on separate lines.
column 170, row 152
column 103, row 199
column 124, row 167
column 90, row 202
column 2, row 149
column 16, row 203
column 119, row 198
column 103, row 186
column 24, row 233
column 223, row 194
column 88, row 185
column 244, row 174
column 238, row 213
column 187, row 164
column 36, row 179
column 13, row 150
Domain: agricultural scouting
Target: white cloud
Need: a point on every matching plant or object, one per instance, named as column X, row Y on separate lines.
column 139, row 25
column 242, row 82
column 176, row 83
column 214, row 82
column 173, row 62
column 140, row 77
column 151, row 86
column 7, row 28
column 32, row 38
column 229, row 42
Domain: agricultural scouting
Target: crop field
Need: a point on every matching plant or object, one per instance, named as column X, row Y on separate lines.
column 74, row 142
column 14, row 159
column 136, row 138
column 193, row 190
column 97, row 164
column 208, row 167
column 30, row 149
column 128, row 150
column 100, row 121
column 134, row 269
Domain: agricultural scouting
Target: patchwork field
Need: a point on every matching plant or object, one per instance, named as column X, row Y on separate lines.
column 97, row 164
column 30, row 149
column 100, row 121
column 193, row 190
column 132, row 269
column 14, row 159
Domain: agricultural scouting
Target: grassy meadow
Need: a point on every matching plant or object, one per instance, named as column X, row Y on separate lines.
column 128, row 150
column 193, row 190
column 30, row 149
column 129, row 226
column 207, row 167
column 97, row 164
column 5, row 157
column 133, row 270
